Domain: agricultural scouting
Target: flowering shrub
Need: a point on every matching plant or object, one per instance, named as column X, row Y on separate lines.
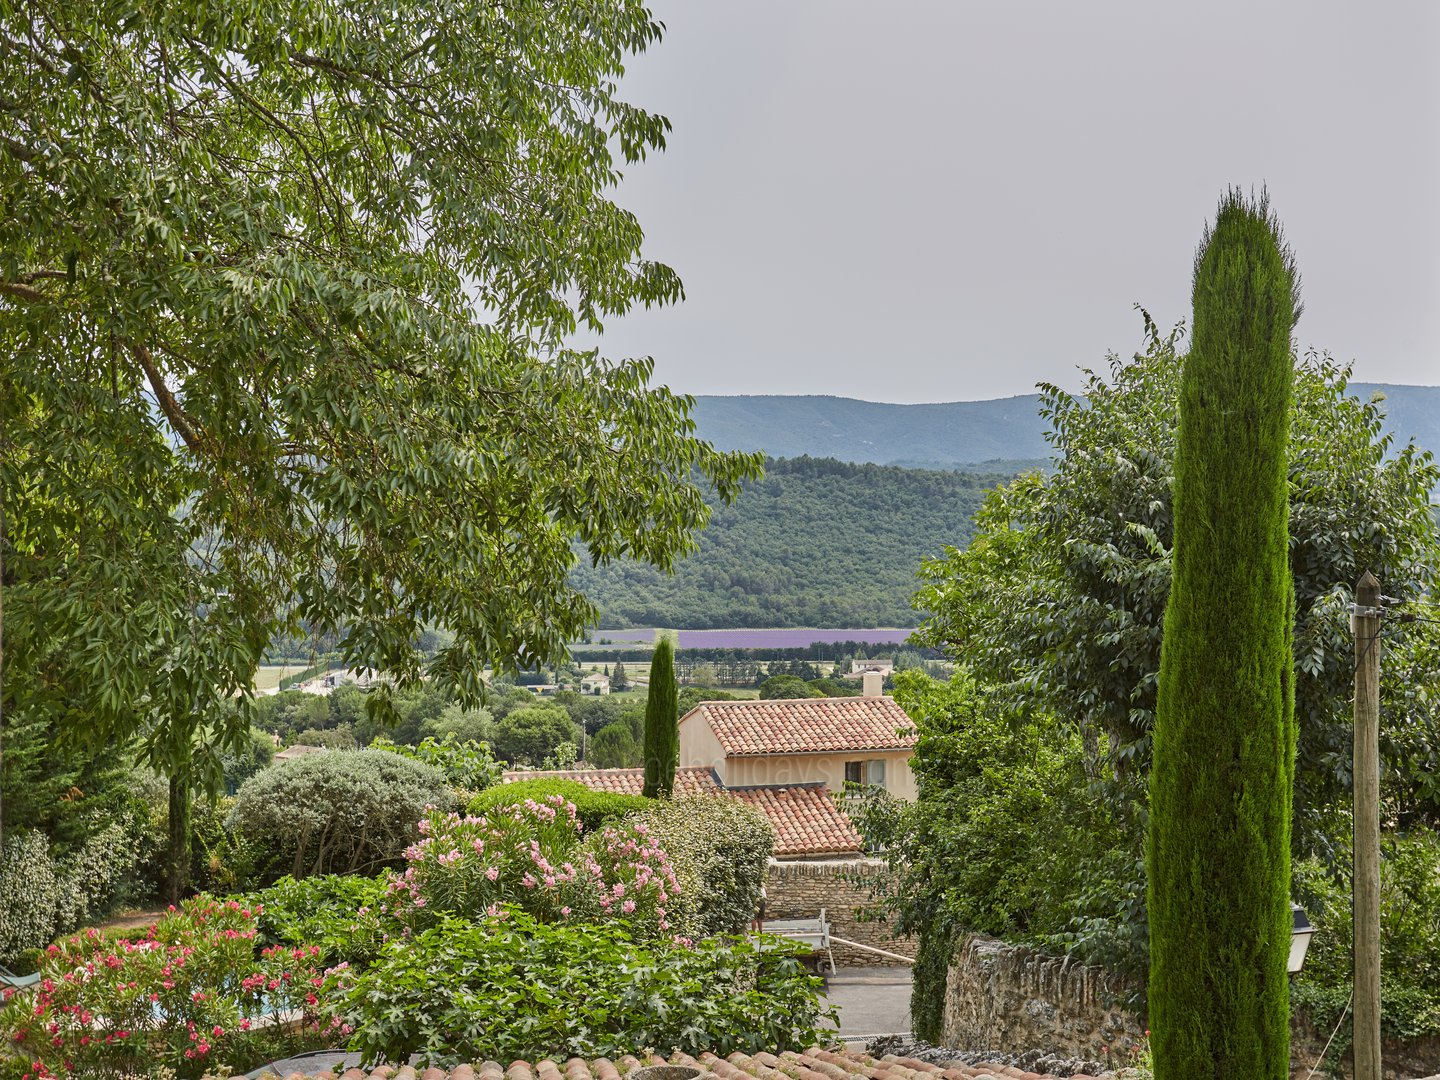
column 531, row 855
column 519, row 989
column 720, row 848
column 189, row 995
column 41, row 896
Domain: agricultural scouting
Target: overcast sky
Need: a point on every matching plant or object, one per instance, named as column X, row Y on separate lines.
column 935, row 200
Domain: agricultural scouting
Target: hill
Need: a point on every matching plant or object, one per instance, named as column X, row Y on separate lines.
column 1001, row 435
column 815, row 543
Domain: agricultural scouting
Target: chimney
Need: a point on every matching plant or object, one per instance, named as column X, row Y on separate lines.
column 873, row 683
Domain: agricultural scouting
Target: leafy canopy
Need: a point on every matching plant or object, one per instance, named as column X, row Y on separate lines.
column 283, row 291
column 1057, row 604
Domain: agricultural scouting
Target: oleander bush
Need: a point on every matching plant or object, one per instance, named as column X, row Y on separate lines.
column 534, row 857
column 186, row 998
column 719, row 848
column 343, row 811
column 594, row 808
column 516, row 988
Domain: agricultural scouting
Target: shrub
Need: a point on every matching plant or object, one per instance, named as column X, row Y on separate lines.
column 719, row 848
column 339, row 913
column 465, row 764
column 187, row 996
column 518, row 989
column 41, row 896
column 1409, row 940
column 340, row 811
column 594, row 808
column 531, row 856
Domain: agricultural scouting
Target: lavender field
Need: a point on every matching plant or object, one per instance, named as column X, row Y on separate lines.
column 781, row 638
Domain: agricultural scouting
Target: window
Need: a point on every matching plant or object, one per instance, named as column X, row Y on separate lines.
column 865, row 773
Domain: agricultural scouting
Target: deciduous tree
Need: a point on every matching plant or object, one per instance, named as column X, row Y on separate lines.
column 283, row 297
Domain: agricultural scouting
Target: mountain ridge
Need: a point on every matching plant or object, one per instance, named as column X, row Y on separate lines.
column 996, row 434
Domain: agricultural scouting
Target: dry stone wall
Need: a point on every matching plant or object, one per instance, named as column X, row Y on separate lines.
column 846, row 889
column 1010, row 998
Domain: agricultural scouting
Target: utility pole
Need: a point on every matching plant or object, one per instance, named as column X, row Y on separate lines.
column 1365, row 623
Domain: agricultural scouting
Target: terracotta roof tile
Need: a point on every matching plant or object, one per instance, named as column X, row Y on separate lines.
column 689, row 781
column 806, row 725
column 813, row 1064
column 806, row 820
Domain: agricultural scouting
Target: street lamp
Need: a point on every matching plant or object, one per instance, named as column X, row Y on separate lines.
column 1299, row 939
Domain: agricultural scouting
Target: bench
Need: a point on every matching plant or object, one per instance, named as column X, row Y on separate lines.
column 812, row 932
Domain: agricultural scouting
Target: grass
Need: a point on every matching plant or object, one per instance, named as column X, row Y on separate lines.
column 268, row 676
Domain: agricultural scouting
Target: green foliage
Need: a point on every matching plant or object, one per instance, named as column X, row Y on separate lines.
column 339, row 913
column 614, row 747
column 519, row 989
column 595, row 808
column 337, row 811
column 719, row 849
column 466, row 765
column 788, row 686
column 661, row 745
column 239, row 764
column 265, row 367
column 1218, row 851
column 528, row 735
column 690, row 696
column 818, row 542
column 1058, row 602
column 1004, row 839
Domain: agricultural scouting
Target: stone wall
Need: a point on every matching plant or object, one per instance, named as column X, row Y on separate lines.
column 1010, row 998
column 799, row 889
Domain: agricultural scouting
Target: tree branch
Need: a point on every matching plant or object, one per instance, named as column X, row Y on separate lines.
column 24, row 292
column 168, row 405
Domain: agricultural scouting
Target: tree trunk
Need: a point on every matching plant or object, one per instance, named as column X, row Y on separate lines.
column 178, row 853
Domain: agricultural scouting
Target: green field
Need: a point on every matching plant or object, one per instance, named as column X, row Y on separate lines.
column 268, row 676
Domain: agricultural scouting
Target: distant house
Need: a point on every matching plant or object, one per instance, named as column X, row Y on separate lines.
column 595, row 683
column 290, row 753
column 804, row 741
column 860, row 667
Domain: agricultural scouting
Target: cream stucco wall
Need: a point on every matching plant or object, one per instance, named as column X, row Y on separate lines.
column 699, row 747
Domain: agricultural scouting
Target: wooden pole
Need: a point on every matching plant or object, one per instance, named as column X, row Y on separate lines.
column 1365, row 624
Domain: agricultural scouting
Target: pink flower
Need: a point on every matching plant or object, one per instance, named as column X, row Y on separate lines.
column 492, row 873
column 628, row 906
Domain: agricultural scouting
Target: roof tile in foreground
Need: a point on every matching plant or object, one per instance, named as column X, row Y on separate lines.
column 806, row 725
column 813, row 1064
column 688, row 781
column 805, row 818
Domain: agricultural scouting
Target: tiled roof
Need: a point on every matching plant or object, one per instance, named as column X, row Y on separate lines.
column 813, row 1064
column 805, row 725
column 806, row 820
column 691, row 781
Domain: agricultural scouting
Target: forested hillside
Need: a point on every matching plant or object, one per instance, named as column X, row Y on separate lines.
column 818, row 542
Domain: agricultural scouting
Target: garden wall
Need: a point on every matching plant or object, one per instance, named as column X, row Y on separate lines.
column 1007, row 997
column 799, row 889
column 1012, row 999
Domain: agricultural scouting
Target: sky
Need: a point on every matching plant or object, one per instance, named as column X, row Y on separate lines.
column 938, row 200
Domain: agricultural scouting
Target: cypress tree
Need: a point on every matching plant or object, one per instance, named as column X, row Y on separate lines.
column 662, row 723
column 1218, row 857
